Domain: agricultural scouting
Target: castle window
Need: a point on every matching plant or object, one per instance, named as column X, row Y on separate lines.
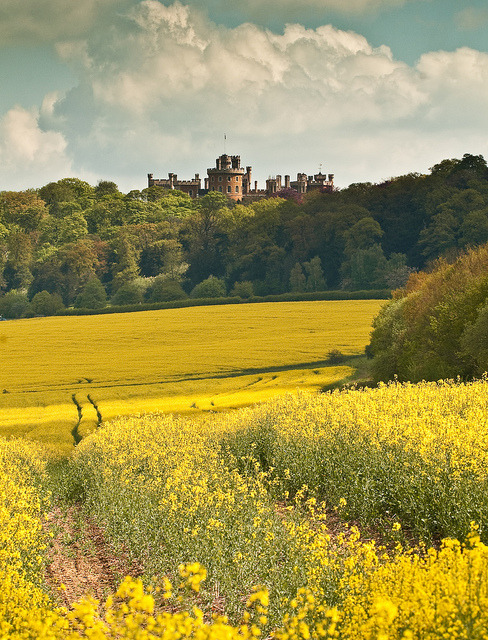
column 220, row 180
column 190, row 192
column 220, row 189
column 237, row 178
column 229, row 189
column 237, row 189
column 213, row 188
column 228, row 178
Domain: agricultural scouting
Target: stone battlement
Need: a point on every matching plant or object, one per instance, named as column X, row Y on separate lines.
column 230, row 178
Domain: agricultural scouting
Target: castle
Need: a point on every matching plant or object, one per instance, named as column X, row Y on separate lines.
column 230, row 178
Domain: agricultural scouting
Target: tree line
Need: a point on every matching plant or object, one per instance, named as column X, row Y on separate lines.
column 436, row 327
column 83, row 245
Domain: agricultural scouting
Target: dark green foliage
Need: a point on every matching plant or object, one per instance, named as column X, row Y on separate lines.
column 93, row 295
column 335, row 356
column 128, row 293
column 298, row 280
column 164, row 290
column 210, row 288
column 367, row 236
column 436, row 327
column 106, row 188
column 13, row 304
column 242, row 289
column 46, row 304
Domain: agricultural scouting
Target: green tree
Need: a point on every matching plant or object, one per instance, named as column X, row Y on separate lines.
column 17, row 270
column 315, row 275
column 22, row 208
column 46, row 304
column 211, row 287
column 203, row 236
column 125, row 267
column 397, row 272
column 165, row 290
column 93, row 295
column 106, row 188
column 78, row 263
column 13, row 304
column 242, row 289
column 365, row 269
column 128, row 293
column 298, row 280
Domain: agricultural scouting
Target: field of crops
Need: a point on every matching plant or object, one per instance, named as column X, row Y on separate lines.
column 61, row 375
column 244, row 514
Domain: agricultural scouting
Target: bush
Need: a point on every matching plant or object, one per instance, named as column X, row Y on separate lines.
column 164, row 290
column 93, row 296
column 128, row 293
column 243, row 289
column 14, row 305
column 46, row 304
column 212, row 287
column 335, row 356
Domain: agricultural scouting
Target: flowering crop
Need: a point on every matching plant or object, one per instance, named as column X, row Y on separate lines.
column 173, row 360
column 412, row 453
column 194, row 502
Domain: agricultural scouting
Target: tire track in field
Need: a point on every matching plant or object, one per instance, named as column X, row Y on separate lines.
column 95, row 406
column 74, row 431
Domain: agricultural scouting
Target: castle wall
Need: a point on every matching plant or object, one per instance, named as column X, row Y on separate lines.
column 229, row 178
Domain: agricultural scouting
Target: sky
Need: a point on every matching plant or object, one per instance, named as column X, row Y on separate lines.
column 117, row 89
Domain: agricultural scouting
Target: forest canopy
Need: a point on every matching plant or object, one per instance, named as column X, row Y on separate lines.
column 161, row 245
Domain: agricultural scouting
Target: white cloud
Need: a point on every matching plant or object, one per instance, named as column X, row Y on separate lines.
column 174, row 59
column 157, row 91
column 33, row 21
column 28, row 153
column 29, row 21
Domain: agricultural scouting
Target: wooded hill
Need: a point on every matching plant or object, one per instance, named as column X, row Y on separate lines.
column 159, row 245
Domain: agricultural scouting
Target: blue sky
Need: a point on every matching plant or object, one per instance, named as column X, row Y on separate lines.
column 114, row 89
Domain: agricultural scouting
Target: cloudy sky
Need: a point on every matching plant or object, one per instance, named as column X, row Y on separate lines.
column 116, row 89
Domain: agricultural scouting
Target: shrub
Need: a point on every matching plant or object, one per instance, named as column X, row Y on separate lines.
column 164, row 290
column 212, row 287
column 335, row 356
column 14, row 304
column 46, row 304
column 242, row 289
column 93, row 296
column 128, row 293
column 430, row 330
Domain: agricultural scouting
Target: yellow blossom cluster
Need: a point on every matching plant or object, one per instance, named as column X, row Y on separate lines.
column 415, row 454
column 24, row 608
column 221, row 505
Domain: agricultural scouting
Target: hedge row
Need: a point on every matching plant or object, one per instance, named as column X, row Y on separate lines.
column 372, row 294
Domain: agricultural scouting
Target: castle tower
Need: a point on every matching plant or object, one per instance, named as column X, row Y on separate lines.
column 228, row 176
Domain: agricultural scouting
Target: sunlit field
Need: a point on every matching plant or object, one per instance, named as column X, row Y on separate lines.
column 61, row 375
column 238, row 522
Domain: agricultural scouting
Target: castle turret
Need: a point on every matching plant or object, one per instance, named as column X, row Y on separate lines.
column 228, row 176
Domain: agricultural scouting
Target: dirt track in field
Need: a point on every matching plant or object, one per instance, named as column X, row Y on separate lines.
column 81, row 559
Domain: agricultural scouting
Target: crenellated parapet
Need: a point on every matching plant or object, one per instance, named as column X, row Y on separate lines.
column 229, row 178
column 191, row 187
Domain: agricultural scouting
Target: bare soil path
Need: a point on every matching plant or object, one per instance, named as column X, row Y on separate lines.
column 82, row 559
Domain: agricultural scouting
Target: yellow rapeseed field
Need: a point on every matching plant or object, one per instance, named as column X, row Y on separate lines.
column 184, row 360
column 195, row 502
